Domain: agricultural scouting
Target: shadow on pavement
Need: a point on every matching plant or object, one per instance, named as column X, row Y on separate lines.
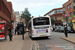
column 3, row 40
column 40, row 38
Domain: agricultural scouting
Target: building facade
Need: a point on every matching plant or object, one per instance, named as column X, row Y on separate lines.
column 69, row 7
column 57, row 15
column 13, row 19
column 17, row 18
column 6, row 12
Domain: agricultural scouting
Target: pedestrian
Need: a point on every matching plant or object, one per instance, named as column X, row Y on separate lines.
column 13, row 32
column 22, row 32
column 10, row 34
column 52, row 29
column 66, row 31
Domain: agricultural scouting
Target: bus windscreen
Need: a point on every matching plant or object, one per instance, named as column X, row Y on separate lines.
column 41, row 21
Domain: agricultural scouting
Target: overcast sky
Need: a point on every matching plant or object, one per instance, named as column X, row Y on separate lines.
column 37, row 7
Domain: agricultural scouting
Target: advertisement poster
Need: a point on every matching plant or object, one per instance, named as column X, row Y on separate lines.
column 2, row 37
column 2, row 30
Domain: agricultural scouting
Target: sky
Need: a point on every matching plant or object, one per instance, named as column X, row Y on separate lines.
column 37, row 7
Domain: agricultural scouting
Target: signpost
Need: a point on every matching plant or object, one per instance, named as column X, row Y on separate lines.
column 2, row 30
column 66, row 15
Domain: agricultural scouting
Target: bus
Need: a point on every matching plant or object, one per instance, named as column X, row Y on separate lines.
column 40, row 27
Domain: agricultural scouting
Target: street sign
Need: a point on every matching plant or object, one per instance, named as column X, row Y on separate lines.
column 67, row 14
column 62, row 20
column 73, row 20
column 73, row 15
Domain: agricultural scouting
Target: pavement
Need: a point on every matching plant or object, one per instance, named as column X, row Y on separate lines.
column 70, row 39
column 17, row 43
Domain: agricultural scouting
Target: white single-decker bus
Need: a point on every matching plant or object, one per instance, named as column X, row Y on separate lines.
column 40, row 27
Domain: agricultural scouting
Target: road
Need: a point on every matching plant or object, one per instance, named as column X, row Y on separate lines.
column 53, row 43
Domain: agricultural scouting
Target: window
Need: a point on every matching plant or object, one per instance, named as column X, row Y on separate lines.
column 17, row 19
column 54, row 12
column 41, row 21
column 49, row 14
column 73, row 0
column 16, row 15
column 70, row 14
column 74, row 13
column 58, row 11
column 70, row 5
column 74, row 5
column 61, row 11
column 64, row 8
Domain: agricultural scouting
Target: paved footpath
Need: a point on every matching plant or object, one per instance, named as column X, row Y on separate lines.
column 17, row 43
column 70, row 39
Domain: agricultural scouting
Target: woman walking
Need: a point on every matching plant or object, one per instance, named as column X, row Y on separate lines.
column 10, row 34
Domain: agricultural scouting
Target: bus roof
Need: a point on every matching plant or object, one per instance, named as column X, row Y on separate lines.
column 41, row 16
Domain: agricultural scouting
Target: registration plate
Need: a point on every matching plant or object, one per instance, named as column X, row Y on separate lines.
column 42, row 35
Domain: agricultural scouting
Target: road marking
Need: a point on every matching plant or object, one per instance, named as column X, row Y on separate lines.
column 36, row 45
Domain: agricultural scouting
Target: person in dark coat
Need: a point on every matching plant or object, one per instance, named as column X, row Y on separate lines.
column 10, row 34
column 22, row 32
column 66, row 34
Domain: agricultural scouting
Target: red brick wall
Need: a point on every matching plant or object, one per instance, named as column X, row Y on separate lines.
column 69, row 10
column 0, row 4
column 55, row 15
column 6, row 12
column 10, row 4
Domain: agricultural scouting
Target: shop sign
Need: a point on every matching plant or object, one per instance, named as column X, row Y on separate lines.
column 73, row 20
column 73, row 15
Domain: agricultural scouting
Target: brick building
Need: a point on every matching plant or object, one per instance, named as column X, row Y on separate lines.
column 17, row 18
column 57, row 15
column 69, row 7
column 6, row 12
